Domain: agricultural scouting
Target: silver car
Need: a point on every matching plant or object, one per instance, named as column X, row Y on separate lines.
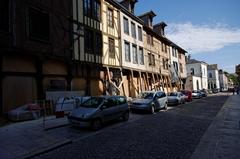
column 150, row 101
column 97, row 110
column 176, row 98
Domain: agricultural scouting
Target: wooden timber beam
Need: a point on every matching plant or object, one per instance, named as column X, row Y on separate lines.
column 111, row 80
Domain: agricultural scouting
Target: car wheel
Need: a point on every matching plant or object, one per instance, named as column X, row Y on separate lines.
column 125, row 116
column 96, row 124
column 152, row 109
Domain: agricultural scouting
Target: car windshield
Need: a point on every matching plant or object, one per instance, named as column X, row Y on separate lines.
column 173, row 94
column 93, row 102
column 195, row 92
column 146, row 95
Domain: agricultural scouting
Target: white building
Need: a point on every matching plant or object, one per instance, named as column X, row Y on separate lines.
column 223, row 80
column 213, row 78
column 131, row 37
column 197, row 77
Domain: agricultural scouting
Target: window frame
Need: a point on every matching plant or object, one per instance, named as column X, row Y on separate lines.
column 126, row 25
column 126, row 43
column 141, row 56
column 31, row 19
column 133, row 30
column 140, row 38
column 110, row 17
column 135, row 56
column 111, row 47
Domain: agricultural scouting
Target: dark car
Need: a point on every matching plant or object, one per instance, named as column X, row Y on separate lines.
column 215, row 90
column 196, row 94
column 203, row 93
column 188, row 95
column 149, row 101
column 97, row 110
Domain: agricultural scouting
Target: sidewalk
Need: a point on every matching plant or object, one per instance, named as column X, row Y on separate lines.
column 23, row 139
column 222, row 138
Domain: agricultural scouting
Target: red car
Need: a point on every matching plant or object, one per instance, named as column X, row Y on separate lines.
column 188, row 95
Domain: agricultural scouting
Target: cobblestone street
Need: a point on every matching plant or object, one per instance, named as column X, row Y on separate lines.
column 168, row 134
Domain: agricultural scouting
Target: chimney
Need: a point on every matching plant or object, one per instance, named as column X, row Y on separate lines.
column 159, row 28
column 148, row 18
column 129, row 5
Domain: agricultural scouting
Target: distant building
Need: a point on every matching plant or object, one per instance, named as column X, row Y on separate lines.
column 196, row 75
column 223, row 80
column 213, row 78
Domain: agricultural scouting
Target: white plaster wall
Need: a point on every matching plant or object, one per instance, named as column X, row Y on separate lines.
column 131, row 40
column 194, row 81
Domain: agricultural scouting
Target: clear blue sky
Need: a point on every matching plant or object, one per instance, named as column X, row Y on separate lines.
column 208, row 29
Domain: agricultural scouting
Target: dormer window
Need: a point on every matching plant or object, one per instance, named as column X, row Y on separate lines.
column 148, row 18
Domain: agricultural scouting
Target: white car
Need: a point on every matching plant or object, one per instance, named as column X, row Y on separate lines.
column 176, row 98
column 149, row 101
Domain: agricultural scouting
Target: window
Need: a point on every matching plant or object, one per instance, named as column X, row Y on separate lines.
column 181, row 68
column 149, row 39
column 175, row 64
column 87, row 8
column 174, row 52
column 92, row 9
column 179, row 56
column 97, row 10
column 126, row 26
column 140, row 33
column 111, row 46
column 165, row 63
column 110, row 18
column 192, row 71
column 121, row 100
column 210, row 75
column 98, row 44
column 127, row 51
column 135, row 57
column 4, row 15
column 163, row 47
column 133, row 30
column 39, row 18
column 88, row 41
column 151, row 59
column 141, row 55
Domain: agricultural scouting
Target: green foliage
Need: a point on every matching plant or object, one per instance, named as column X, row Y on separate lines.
column 234, row 78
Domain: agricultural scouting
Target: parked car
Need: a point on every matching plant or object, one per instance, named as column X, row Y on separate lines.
column 98, row 110
column 203, row 93
column 176, row 98
column 67, row 104
column 196, row 94
column 149, row 101
column 215, row 90
column 188, row 95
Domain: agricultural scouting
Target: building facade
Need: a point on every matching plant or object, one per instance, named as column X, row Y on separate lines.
column 213, row 77
column 223, row 81
column 197, row 77
column 95, row 47
column 33, row 59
